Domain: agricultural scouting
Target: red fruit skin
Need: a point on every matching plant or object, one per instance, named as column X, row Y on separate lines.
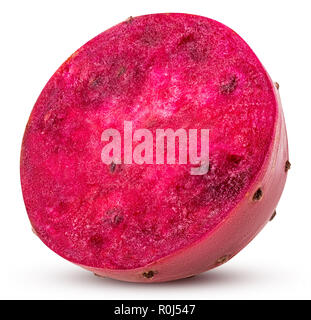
column 232, row 234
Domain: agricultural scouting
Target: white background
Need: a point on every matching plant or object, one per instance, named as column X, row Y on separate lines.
column 37, row 36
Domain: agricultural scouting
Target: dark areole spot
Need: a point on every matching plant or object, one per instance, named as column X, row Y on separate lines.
column 257, row 195
column 287, row 166
column 149, row 274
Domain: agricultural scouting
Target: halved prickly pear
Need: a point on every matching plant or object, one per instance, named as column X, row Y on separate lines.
column 155, row 222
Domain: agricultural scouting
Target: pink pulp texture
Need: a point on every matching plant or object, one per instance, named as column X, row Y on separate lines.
column 158, row 71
